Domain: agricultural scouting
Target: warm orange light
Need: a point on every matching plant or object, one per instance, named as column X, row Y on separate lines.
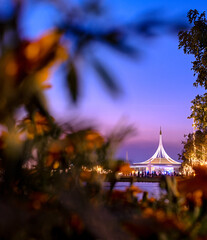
column 125, row 168
column 69, row 149
column 11, row 68
column 98, row 169
column 32, row 51
column 56, row 165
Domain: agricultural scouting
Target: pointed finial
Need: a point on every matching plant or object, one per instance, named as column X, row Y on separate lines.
column 160, row 131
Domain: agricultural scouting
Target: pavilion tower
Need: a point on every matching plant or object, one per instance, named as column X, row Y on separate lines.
column 160, row 155
column 160, row 161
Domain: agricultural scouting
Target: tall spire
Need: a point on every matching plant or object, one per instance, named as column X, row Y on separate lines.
column 161, row 154
column 127, row 158
column 160, row 142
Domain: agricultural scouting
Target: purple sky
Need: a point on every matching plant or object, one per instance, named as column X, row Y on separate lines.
column 157, row 87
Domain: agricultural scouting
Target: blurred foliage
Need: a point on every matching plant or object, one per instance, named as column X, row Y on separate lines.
column 194, row 41
column 50, row 181
column 194, row 150
column 199, row 111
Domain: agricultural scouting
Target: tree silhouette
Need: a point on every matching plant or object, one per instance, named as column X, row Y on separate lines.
column 194, row 41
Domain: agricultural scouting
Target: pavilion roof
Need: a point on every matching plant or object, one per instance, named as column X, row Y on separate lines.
column 159, row 161
column 160, row 157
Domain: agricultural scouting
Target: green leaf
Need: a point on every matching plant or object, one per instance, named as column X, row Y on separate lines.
column 106, row 77
column 126, row 49
column 72, row 82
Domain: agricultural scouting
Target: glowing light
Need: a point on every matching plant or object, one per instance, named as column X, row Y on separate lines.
column 32, row 51
column 11, row 68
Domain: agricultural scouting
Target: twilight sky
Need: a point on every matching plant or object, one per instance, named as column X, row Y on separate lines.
column 157, row 86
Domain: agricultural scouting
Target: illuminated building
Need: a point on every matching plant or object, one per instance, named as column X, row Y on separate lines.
column 159, row 163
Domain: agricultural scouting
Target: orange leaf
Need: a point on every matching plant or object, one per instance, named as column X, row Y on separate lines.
column 193, row 184
column 125, row 168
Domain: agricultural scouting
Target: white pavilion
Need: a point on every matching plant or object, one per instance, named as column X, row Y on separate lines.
column 159, row 163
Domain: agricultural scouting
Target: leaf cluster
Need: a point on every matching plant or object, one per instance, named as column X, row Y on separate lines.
column 194, row 149
column 194, row 41
column 199, row 111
